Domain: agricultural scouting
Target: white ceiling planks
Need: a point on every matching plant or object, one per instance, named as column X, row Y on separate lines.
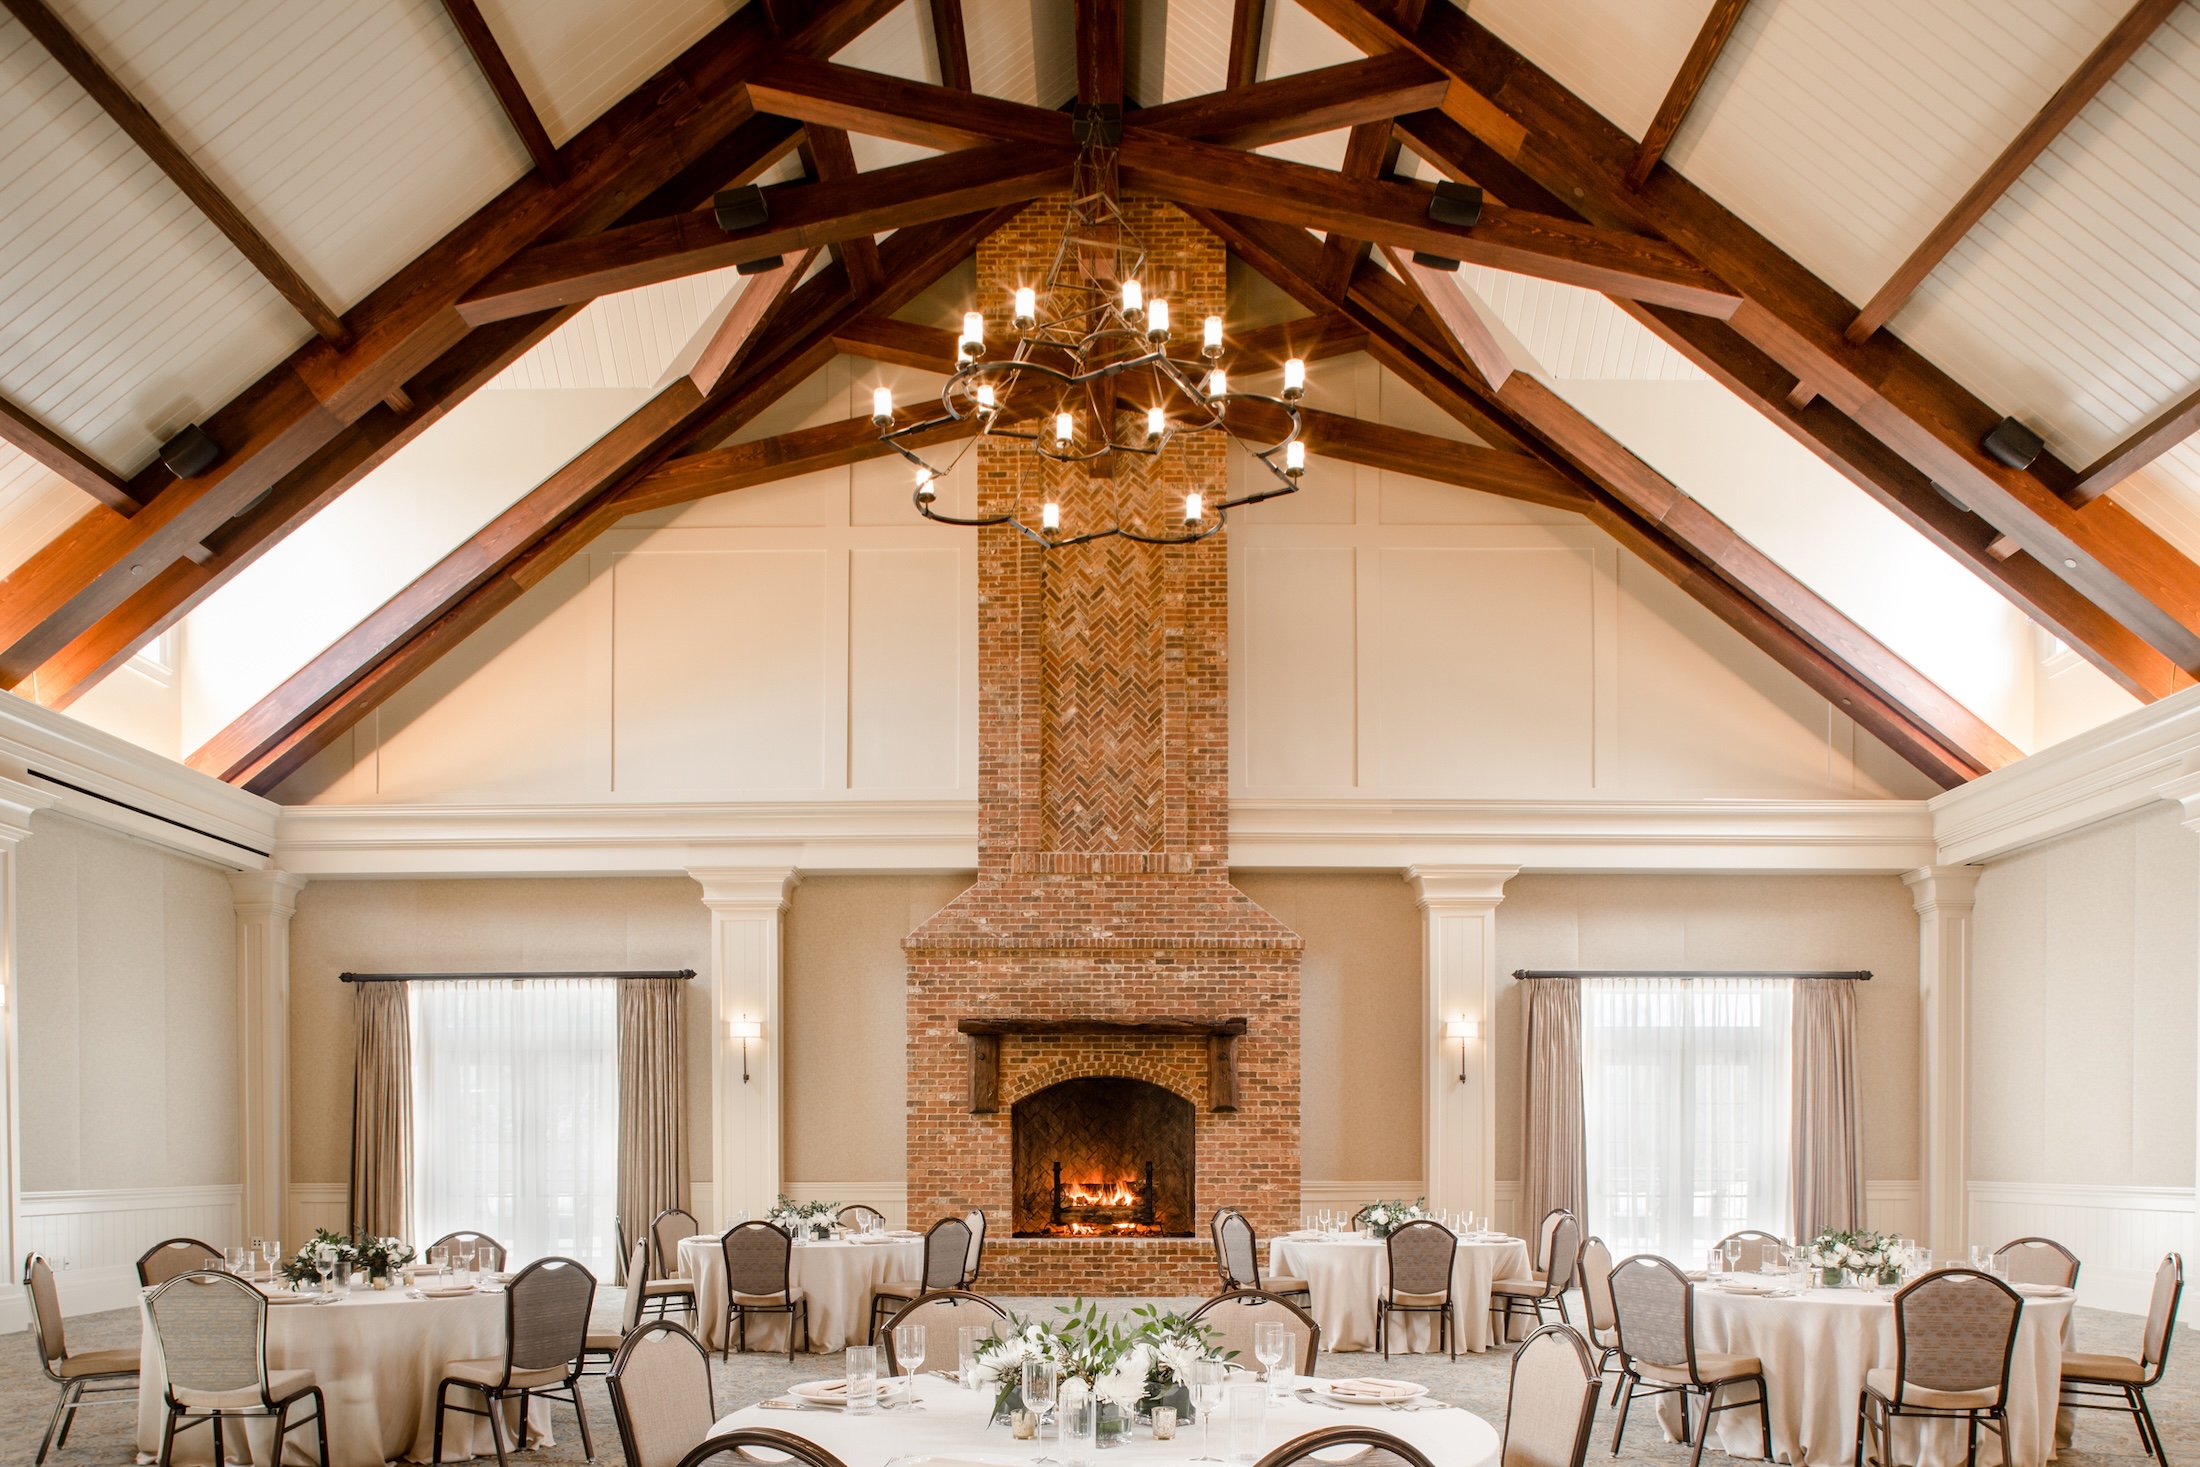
column 1175, row 49
column 1619, row 56
column 36, row 504
column 623, row 340
column 577, row 57
column 1022, row 50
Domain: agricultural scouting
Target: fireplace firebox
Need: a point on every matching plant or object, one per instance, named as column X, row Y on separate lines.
column 1104, row 1157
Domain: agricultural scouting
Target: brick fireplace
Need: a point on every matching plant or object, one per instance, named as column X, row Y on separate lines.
column 1103, row 940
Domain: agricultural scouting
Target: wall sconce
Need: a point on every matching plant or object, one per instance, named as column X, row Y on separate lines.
column 1462, row 1030
column 745, row 1029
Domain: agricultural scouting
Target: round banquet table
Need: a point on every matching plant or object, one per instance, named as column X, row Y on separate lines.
column 377, row 1356
column 838, row 1278
column 1347, row 1273
column 1816, row 1345
column 951, row 1429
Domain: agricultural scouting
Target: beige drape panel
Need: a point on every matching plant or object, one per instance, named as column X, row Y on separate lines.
column 653, row 1151
column 1554, row 1169
column 1824, row 1159
column 381, row 1113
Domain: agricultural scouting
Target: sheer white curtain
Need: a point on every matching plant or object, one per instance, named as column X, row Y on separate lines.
column 1685, row 1101
column 516, row 1115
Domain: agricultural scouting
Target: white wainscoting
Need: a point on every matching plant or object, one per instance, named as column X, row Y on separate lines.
column 316, row 1205
column 2118, row 1233
column 1893, row 1207
column 1352, row 1196
column 891, row 1198
column 94, row 1239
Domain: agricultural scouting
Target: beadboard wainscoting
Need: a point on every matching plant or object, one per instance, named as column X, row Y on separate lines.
column 94, row 1239
column 1893, row 1207
column 1351, row 1196
column 2118, row 1233
column 316, row 1205
column 890, row 1198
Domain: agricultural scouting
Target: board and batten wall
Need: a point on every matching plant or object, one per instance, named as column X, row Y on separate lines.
column 127, row 1006
column 2082, row 1048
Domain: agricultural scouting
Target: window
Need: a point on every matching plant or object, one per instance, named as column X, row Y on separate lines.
column 516, row 1114
column 1685, row 1111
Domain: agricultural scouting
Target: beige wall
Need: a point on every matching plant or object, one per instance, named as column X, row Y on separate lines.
column 128, row 1014
column 1728, row 922
column 843, row 1125
column 1360, row 1016
column 462, row 926
column 2082, row 1008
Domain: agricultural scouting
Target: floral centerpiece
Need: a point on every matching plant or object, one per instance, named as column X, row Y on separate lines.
column 381, row 1258
column 1386, row 1217
column 1127, row 1369
column 804, row 1219
column 1860, row 1255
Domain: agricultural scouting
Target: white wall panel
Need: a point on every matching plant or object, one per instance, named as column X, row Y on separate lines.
column 2118, row 1233
column 1297, row 615
column 905, row 676
column 94, row 1239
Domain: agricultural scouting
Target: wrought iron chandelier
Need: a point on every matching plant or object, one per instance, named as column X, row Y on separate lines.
column 1086, row 339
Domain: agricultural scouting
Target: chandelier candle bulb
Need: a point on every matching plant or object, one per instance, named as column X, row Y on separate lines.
column 927, row 491
column 1134, row 300
column 1050, row 516
column 1192, row 508
column 1294, row 458
column 986, row 401
column 1218, row 383
column 1027, row 308
column 1211, row 342
column 1065, row 428
column 1294, row 379
column 882, row 406
column 973, row 336
column 1157, row 423
column 1157, row 321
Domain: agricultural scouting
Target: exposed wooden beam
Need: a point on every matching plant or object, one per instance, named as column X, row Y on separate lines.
column 832, row 160
column 1454, row 312
column 2115, row 49
column 153, row 140
column 801, row 215
column 1370, row 152
column 1695, row 70
column 1797, row 320
column 766, row 460
column 1310, row 339
column 899, row 343
column 1099, row 52
column 20, row 428
column 641, row 153
column 2146, row 444
column 497, row 71
column 1242, row 65
column 952, row 43
column 517, row 549
column 762, row 298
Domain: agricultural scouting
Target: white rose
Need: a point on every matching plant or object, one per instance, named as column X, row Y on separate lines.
column 1379, row 1216
column 1122, row 1388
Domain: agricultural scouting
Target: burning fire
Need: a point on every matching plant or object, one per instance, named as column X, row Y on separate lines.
column 1099, row 1194
column 1111, row 1230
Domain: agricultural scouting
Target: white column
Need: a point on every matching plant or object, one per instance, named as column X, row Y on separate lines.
column 746, row 904
column 1943, row 897
column 1459, row 981
column 264, row 902
column 17, row 801
column 2185, row 793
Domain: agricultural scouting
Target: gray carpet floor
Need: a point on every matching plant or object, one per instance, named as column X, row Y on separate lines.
column 1475, row 1382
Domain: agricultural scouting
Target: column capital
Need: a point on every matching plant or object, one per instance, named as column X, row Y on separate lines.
column 1459, row 887
column 2185, row 794
column 265, row 893
column 18, row 802
column 1942, row 888
column 746, row 888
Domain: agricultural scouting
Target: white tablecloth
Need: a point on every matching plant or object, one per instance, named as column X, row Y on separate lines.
column 953, row 1423
column 377, row 1357
column 838, row 1278
column 1816, row 1347
column 1347, row 1274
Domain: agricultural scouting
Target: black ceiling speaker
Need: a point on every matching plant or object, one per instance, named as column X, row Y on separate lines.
column 1456, row 203
column 1099, row 124
column 760, row 267
column 740, row 208
column 1434, row 262
column 190, row 453
column 2013, row 444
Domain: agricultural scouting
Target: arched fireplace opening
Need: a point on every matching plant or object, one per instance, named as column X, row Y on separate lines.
column 1104, row 1157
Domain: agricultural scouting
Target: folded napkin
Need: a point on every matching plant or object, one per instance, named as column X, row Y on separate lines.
column 1374, row 1388
column 904, row 1233
column 446, row 1291
column 2042, row 1291
column 1732, row 1285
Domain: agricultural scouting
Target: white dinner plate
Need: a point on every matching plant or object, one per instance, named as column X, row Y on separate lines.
column 958, row 1459
column 832, row 1395
column 446, row 1291
column 1379, row 1392
column 1746, row 1286
column 290, row 1298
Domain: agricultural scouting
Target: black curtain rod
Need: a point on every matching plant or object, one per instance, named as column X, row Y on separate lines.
column 494, row 977
column 1860, row 975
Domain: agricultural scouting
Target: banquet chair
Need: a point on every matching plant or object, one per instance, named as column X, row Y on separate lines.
column 669, row 1285
column 85, row 1372
column 769, row 1444
column 2094, row 1382
column 1233, row 1315
column 1655, row 1311
column 545, row 1330
column 659, row 1384
column 1421, row 1257
column 1751, row 1254
column 1954, row 1333
column 1237, row 1254
column 857, row 1216
column 1552, row 1405
column 975, row 1217
column 163, row 1261
column 1545, row 1233
column 1593, row 1271
column 212, row 1329
column 1510, row 1298
column 605, row 1343
column 489, row 1254
column 947, row 1310
column 1377, row 1448
column 2037, row 1261
column 946, row 1257
column 759, row 1265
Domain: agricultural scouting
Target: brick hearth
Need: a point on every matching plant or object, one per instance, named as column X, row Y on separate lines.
column 1103, row 888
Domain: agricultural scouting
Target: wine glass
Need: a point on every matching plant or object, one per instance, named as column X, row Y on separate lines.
column 439, row 1259
column 324, row 1264
column 1206, row 1382
column 909, row 1355
column 1040, row 1381
column 240, row 1262
column 272, row 1250
column 1733, row 1247
column 1271, row 1341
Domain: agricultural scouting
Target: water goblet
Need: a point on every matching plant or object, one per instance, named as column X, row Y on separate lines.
column 1271, row 1342
column 909, row 1356
column 324, row 1264
column 1041, row 1379
column 1733, row 1247
column 240, row 1262
column 1206, row 1382
column 272, row 1250
column 439, row 1259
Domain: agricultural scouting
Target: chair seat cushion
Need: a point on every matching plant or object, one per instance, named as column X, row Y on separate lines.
column 1417, row 1301
column 603, row 1340
column 1521, row 1288
column 1283, row 1286
column 1881, row 1383
column 659, row 1288
column 2116, row 1369
column 1709, row 1369
column 898, row 1289
column 98, row 1362
column 489, row 1372
column 281, row 1386
column 779, row 1300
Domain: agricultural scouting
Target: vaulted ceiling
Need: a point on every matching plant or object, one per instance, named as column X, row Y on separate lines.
column 313, row 230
